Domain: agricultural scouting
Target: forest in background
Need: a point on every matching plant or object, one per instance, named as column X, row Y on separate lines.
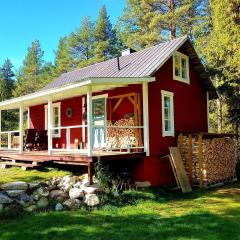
column 212, row 25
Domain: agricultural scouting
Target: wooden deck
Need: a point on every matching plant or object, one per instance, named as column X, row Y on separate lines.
column 35, row 159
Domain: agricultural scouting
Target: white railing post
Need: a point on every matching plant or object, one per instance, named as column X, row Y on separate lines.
column 89, row 120
column 9, row 140
column 20, row 129
column 49, row 123
column 145, row 118
column 67, row 138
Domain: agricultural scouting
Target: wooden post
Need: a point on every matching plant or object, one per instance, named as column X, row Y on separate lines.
column 207, row 95
column 190, row 157
column 145, row 118
column 180, row 142
column 49, row 118
column 89, row 120
column 20, row 129
column 200, row 160
column 90, row 173
column 0, row 128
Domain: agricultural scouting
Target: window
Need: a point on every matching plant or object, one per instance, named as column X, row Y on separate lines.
column 56, row 118
column 181, row 67
column 167, row 114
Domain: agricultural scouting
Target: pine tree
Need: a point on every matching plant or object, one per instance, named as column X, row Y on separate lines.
column 63, row 59
column 7, row 81
column 105, row 38
column 220, row 50
column 29, row 75
column 81, row 43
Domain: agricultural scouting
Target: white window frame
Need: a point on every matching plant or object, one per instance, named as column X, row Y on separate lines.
column 172, row 132
column 179, row 78
column 58, row 104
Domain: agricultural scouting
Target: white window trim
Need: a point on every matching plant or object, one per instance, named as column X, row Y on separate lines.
column 58, row 104
column 172, row 132
column 177, row 78
column 100, row 96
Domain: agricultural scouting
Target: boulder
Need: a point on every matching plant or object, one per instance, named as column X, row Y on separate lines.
column 36, row 195
column 77, row 184
column 24, row 200
column 15, row 193
column 76, row 193
column 144, row 184
column 91, row 189
column 34, row 185
column 14, row 186
column 42, row 203
column 31, row 208
column 72, row 204
column 59, row 207
column 43, row 192
column 4, row 199
column 91, row 200
column 1, row 208
column 58, row 195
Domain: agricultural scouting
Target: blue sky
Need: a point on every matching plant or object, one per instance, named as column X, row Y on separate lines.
column 22, row 21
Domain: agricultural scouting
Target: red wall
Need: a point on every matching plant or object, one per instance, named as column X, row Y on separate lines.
column 190, row 114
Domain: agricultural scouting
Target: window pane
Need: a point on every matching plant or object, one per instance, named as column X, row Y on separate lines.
column 56, row 119
column 177, row 65
column 166, row 102
column 166, row 113
column 167, row 125
column 184, row 68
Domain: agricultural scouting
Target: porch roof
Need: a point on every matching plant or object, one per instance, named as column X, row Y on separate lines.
column 71, row 90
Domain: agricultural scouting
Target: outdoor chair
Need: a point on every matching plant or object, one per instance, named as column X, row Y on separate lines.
column 30, row 139
column 42, row 140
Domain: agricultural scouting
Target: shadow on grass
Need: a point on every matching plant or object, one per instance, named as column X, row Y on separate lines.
column 106, row 225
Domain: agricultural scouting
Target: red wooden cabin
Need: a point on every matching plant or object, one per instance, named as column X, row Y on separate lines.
column 130, row 107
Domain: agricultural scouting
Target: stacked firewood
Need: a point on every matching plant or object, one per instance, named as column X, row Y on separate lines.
column 119, row 137
column 218, row 159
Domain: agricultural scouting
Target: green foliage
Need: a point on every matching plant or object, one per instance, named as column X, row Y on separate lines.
column 63, row 58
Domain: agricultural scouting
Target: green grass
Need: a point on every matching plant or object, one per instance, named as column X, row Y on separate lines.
column 17, row 174
column 207, row 215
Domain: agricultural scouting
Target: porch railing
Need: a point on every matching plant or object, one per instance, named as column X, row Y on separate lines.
column 9, row 140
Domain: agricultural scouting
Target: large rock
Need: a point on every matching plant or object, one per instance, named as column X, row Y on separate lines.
column 14, row 186
column 31, row 208
column 91, row 200
column 77, row 184
column 15, row 193
column 91, row 189
column 43, row 192
column 58, row 195
column 4, row 199
column 42, row 203
column 24, row 200
column 36, row 195
column 75, row 193
column 59, row 207
column 34, row 185
column 72, row 204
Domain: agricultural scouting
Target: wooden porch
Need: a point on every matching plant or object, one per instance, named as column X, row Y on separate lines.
column 37, row 159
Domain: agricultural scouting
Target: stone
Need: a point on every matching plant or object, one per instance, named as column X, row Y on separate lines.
column 42, row 203
column 36, row 195
column 91, row 189
column 72, row 204
column 75, row 193
column 15, row 193
column 4, row 199
column 59, row 207
column 24, row 200
column 14, row 186
column 77, row 184
column 91, row 200
column 1, row 208
column 58, row 195
column 144, row 184
column 30, row 208
column 34, row 185
column 43, row 191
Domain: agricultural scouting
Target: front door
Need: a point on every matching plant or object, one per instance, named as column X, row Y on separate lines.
column 99, row 122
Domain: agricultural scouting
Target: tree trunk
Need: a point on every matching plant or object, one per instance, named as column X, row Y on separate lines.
column 172, row 25
column 219, row 115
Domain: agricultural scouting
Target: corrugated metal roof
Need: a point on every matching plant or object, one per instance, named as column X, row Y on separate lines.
column 139, row 64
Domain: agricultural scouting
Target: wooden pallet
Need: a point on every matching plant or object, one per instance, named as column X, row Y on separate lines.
column 24, row 166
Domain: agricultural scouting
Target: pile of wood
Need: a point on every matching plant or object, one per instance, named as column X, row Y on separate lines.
column 121, row 138
column 208, row 161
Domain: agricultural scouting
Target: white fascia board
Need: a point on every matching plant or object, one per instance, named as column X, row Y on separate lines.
column 121, row 80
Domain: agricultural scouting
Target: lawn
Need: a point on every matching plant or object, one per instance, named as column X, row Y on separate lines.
column 16, row 174
column 212, row 215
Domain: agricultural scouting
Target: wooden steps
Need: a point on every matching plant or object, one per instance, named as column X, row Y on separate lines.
column 24, row 166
